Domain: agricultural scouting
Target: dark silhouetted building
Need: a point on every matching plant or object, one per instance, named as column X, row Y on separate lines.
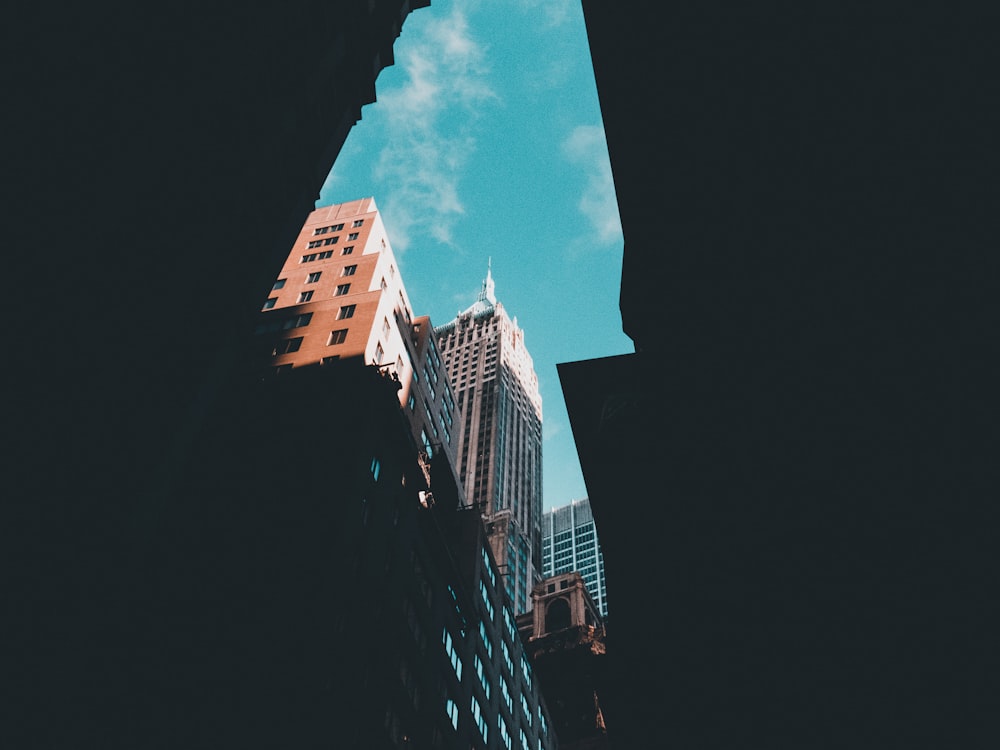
column 161, row 598
column 799, row 456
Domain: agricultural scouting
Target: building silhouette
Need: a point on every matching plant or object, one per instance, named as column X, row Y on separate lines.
column 500, row 439
column 344, row 544
column 570, row 542
column 808, row 417
column 803, row 418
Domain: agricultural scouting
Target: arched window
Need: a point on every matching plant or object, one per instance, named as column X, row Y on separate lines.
column 557, row 615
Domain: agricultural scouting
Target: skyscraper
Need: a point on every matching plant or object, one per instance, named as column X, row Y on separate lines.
column 421, row 647
column 569, row 543
column 339, row 295
column 499, row 442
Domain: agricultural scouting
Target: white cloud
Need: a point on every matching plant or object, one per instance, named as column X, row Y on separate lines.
column 554, row 12
column 429, row 121
column 587, row 148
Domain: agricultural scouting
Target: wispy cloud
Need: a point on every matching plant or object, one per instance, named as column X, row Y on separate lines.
column 587, row 148
column 429, row 121
column 552, row 12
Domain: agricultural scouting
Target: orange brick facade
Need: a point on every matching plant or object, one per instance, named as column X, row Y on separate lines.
column 339, row 295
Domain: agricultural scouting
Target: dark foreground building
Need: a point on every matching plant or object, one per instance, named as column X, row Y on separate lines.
column 333, row 591
column 157, row 203
column 808, row 421
column 809, row 418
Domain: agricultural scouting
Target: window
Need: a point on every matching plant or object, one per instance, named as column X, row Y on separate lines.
column 337, row 337
column 379, row 354
column 313, row 277
column 483, row 678
column 305, row 296
column 376, row 468
column 349, row 270
column 298, row 321
column 452, row 711
column 480, row 720
column 487, row 643
column 506, row 657
column 509, row 620
column 325, row 254
column 278, row 284
column 384, row 285
column 331, row 228
column 505, row 692
column 504, row 734
column 486, row 600
column 347, row 250
column 358, row 222
column 287, row 346
column 449, row 647
column 385, row 326
column 341, row 290
column 487, row 568
column 353, row 235
column 269, row 303
column 331, row 240
column 347, row 311
column 311, row 245
column 329, row 360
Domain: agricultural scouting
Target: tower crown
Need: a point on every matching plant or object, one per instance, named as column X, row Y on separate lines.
column 488, row 292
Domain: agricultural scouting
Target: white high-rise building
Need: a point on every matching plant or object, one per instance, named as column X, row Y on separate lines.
column 569, row 543
column 499, row 451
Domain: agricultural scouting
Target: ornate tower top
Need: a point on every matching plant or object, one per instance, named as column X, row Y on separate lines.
column 488, row 292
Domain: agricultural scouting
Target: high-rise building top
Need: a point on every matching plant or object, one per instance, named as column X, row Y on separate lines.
column 570, row 543
column 499, row 443
column 340, row 295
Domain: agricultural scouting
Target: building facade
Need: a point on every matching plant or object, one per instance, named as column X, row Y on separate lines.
column 339, row 295
column 492, row 695
column 499, row 443
column 564, row 636
column 419, row 648
column 569, row 542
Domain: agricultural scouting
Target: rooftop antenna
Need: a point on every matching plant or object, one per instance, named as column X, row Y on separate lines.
column 488, row 294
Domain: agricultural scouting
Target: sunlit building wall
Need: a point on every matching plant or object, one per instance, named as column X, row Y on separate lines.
column 339, row 295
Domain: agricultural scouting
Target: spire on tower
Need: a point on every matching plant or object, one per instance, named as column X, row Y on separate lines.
column 488, row 293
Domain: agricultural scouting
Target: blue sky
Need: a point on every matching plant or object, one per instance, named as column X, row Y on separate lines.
column 485, row 144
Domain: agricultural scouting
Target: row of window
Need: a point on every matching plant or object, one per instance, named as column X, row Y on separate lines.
column 303, row 319
column 331, row 240
column 310, row 257
column 289, row 346
column 313, row 277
